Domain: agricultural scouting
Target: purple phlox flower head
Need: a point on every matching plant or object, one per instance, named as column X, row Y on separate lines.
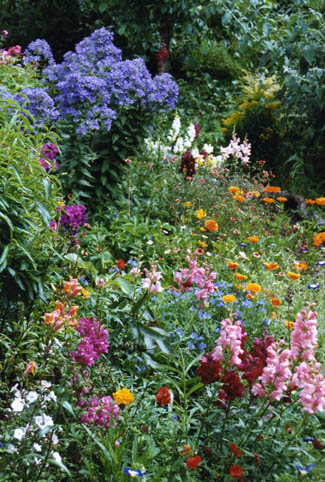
column 38, row 103
column 73, row 217
column 49, row 152
column 38, row 52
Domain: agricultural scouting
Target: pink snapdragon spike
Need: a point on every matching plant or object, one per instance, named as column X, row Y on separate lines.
column 277, row 371
column 152, row 281
column 231, row 339
column 202, row 277
column 237, row 150
column 101, row 412
column 304, row 335
column 93, row 344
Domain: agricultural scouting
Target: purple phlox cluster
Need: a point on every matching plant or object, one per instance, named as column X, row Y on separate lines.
column 72, row 217
column 237, row 150
column 152, row 280
column 38, row 52
column 100, row 412
column 202, row 277
column 38, row 103
column 49, row 152
column 231, row 339
column 164, row 92
column 94, row 342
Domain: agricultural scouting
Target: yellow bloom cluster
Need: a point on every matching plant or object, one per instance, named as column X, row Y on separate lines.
column 123, row 396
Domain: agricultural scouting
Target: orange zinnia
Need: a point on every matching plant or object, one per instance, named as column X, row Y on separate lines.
column 211, row 225
column 272, row 189
column 253, row 239
column 253, row 287
column 268, row 200
column 232, row 265
column 293, row 276
column 271, row 266
column 240, row 277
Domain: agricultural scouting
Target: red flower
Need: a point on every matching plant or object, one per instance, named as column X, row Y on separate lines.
column 232, row 386
column 120, row 264
column 193, row 462
column 209, row 369
column 317, row 444
column 236, row 451
column 236, row 471
column 163, row 396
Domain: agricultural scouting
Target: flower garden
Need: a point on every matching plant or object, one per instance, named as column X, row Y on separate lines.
column 161, row 314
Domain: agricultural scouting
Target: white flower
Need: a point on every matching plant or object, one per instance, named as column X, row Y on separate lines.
column 43, row 421
column 195, row 152
column 50, row 396
column 37, row 447
column 19, row 433
column 208, row 148
column 31, row 397
column 11, row 448
column 44, row 383
column 150, row 242
column 57, row 456
column 179, row 146
column 18, row 405
column 55, row 439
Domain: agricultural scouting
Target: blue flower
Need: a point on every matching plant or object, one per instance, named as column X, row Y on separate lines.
column 304, row 250
column 190, row 345
column 305, row 470
column 133, row 472
column 195, row 336
column 174, row 417
column 201, row 346
column 243, row 245
column 314, row 286
column 320, row 263
column 179, row 332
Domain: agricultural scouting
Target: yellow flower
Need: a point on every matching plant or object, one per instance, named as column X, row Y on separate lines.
column 239, row 198
column 268, row 200
column 85, row 293
column 240, row 277
column 211, row 225
column 233, row 189
column 320, row 201
column 186, row 450
column 253, row 239
column 319, row 238
column 253, row 287
column 300, row 266
column 250, row 297
column 289, row 324
column 200, row 213
column 123, row 397
column 271, row 266
column 187, row 204
column 232, row 264
column 203, row 244
column 228, row 298
column 293, row 276
column 256, row 194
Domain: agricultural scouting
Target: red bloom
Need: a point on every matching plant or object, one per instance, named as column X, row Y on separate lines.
column 193, row 462
column 209, row 369
column 236, row 471
column 120, row 264
column 316, row 443
column 163, row 396
column 232, row 385
column 236, row 451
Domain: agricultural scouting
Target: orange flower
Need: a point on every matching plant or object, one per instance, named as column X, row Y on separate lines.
column 211, row 225
column 203, row 244
column 271, row 266
column 293, row 276
column 282, row 199
column 275, row 301
column 249, row 296
column 239, row 198
column 186, row 450
column 240, row 277
column 233, row 189
column 268, row 200
column 228, row 298
column 232, row 264
column 272, row 189
column 300, row 266
column 253, row 239
column 120, row 264
column 30, row 368
column 310, row 202
column 319, row 238
column 253, row 287
column 320, row 201
column 289, row 324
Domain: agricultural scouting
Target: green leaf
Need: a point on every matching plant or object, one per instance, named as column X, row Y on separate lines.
column 69, row 408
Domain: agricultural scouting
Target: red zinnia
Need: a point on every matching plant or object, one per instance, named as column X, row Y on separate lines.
column 235, row 471
column 120, row 264
column 193, row 462
column 163, row 396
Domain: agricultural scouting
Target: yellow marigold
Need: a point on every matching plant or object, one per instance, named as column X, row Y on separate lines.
column 253, row 239
column 123, row 397
column 300, row 266
column 289, row 324
column 253, row 287
column 187, row 204
column 268, row 200
column 232, row 264
column 240, row 277
column 200, row 213
column 275, row 301
column 274, row 189
column 237, row 286
column 282, row 199
column 211, row 225
column 310, row 202
column 271, row 266
column 239, row 198
column 233, row 189
column 319, row 238
column 320, row 201
column 203, row 244
column 293, row 276
column 85, row 293
column 228, row 298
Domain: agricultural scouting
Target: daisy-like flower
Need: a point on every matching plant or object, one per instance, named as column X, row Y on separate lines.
column 200, row 213
column 211, row 225
column 320, row 201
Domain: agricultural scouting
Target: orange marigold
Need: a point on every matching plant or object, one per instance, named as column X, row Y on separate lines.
column 293, row 276
column 271, row 266
column 300, row 266
column 311, row 202
column 268, row 200
column 239, row 198
column 289, row 324
column 275, row 301
column 253, row 239
column 240, row 277
column 233, row 189
column 282, row 199
column 232, row 264
column 319, row 238
column 229, row 298
column 211, row 225
column 320, row 201
column 275, row 189
column 253, row 287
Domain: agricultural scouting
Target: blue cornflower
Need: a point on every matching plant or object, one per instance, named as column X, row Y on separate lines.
column 267, row 322
column 247, row 304
column 192, row 308
column 179, row 332
column 174, row 416
column 314, row 286
column 133, row 472
column 154, row 298
column 195, row 336
column 132, row 263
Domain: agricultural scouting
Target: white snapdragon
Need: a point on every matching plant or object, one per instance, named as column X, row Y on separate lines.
column 175, row 129
column 179, row 146
column 57, row 457
column 208, row 148
column 190, row 136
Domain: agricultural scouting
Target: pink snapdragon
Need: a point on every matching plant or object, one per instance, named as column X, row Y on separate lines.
column 277, row 371
column 101, row 411
column 231, row 339
column 152, row 280
column 94, row 342
column 309, row 378
column 237, row 150
column 304, row 336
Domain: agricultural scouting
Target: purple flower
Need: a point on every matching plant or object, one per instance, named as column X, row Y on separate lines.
column 49, row 152
column 93, row 344
column 38, row 52
column 73, row 217
column 100, row 412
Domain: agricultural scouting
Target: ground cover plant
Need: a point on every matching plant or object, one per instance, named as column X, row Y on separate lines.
column 176, row 332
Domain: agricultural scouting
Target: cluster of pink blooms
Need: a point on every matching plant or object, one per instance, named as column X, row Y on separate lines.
column 100, row 412
column 202, row 277
column 6, row 55
column 232, row 337
column 237, row 150
column 94, row 342
column 152, row 280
